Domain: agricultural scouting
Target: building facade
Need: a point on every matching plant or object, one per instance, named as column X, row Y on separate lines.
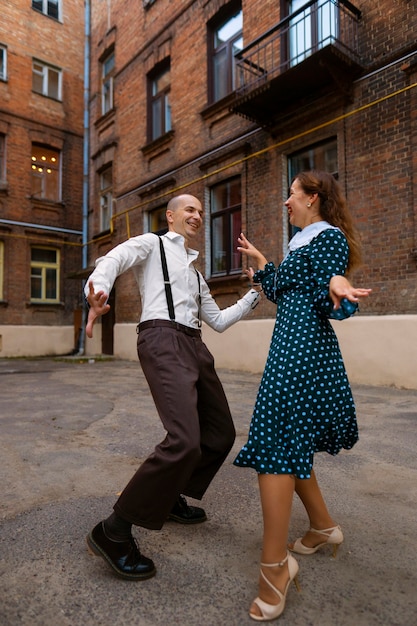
column 224, row 99
column 227, row 100
column 41, row 175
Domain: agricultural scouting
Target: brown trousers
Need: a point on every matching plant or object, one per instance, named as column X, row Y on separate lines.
column 194, row 411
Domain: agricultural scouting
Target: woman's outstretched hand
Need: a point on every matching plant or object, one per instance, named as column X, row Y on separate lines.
column 340, row 288
column 246, row 247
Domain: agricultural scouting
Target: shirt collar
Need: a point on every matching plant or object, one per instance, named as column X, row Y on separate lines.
column 305, row 236
column 171, row 234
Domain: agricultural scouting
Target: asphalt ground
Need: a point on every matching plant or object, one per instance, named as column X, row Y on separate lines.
column 74, row 431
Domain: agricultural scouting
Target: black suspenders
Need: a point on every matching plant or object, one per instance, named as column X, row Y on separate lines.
column 168, row 290
column 167, row 284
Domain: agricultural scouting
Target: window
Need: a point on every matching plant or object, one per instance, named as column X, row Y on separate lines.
column 106, row 198
column 225, row 226
column 157, row 220
column 321, row 156
column 315, row 27
column 3, row 62
column 2, row 158
column 159, row 86
column 107, row 73
column 1, row 270
column 226, row 40
column 46, row 80
column 45, row 173
column 48, row 7
column 44, row 275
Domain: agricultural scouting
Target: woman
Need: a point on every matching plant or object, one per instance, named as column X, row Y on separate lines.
column 304, row 404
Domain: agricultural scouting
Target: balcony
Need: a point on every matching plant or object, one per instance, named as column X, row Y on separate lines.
column 309, row 54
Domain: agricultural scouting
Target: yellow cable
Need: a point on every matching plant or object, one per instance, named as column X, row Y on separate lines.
column 225, row 167
column 269, row 148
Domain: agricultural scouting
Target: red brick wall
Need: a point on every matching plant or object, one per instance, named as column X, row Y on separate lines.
column 376, row 145
column 27, row 117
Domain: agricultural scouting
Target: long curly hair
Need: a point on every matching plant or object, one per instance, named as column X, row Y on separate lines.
column 333, row 209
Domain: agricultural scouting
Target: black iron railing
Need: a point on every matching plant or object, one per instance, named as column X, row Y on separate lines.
column 317, row 24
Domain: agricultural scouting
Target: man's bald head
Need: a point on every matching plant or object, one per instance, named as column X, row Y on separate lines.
column 185, row 215
column 181, row 201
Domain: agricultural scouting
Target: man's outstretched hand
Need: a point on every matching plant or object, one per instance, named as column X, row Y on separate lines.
column 98, row 306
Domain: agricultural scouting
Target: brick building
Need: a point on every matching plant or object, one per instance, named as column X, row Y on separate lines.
column 41, row 174
column 227, row 100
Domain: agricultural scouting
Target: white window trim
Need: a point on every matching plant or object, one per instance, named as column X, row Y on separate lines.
column 107, row 80
column 44, row 10
column 3, row 169
column 44, row 265
column 4, row 75
column 45, row 75
column 106, row 193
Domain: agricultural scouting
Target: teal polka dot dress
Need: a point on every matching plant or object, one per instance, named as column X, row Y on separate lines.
column 304, row 403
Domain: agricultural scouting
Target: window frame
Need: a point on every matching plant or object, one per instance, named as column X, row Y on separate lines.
column 44, row 8
column 3, row 169
column 3, row 64
column 107, row 82
column 229, row 232
column 314, row 158
column 214, row 52
column 45, row 71
column 45, row 266
column 36, row 164
column 106, row 198
column 1, row 270
column 315, row 32
column 161, row 96
column 156, row 220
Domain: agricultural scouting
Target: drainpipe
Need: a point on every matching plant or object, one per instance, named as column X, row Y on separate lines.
column 87, row 12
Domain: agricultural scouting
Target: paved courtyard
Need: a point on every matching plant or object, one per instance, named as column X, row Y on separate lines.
column 73, row 433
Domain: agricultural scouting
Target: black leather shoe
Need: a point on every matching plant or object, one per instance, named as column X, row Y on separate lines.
column 185, row 514
column 123, row 556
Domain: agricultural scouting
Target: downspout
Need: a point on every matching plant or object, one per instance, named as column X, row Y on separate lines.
column 86, row 149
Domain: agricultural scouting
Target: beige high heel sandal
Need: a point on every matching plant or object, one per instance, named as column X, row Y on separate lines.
column 272, row 611
column 334, row 537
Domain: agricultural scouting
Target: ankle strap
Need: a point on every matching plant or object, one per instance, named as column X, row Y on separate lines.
column 280, row 564
column 324, row 531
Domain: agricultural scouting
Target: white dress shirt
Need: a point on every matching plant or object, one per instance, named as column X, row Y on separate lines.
column 142, row 255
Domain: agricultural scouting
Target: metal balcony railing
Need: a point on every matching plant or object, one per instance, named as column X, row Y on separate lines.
column 313, row 27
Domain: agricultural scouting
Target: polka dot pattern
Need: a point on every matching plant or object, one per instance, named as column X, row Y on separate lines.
column 304, row 403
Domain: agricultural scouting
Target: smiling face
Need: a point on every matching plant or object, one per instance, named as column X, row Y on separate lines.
column 185, row 216
column 299, row 213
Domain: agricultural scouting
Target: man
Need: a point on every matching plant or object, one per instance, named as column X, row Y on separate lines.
column 180, row 372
